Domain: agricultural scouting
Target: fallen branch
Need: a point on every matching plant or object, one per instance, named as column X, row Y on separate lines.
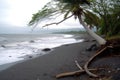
column 77, row 64
column 73, row 73
column 85, row 68
column 88, row 62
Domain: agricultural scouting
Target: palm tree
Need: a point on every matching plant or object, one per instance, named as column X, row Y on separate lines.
column 92, row 20
column 68, row 8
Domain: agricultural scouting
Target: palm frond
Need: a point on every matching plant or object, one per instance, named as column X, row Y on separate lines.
column 47, row 11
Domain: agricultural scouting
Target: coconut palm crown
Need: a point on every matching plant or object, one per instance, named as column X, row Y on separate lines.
column 58, row 7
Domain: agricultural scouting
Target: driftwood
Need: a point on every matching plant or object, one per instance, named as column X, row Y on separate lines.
column 94, row 56
column 77, row 64
column 88, row 62
column 83, row 70
column 73, row 73
column 112, row 44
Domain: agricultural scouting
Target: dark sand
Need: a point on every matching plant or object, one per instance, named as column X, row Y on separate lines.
column 59, row 60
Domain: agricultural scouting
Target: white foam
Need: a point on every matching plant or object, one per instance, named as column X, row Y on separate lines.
column 15, row 51
column 68, row 36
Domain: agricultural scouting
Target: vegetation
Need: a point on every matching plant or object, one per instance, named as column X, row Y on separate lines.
column 107, row 20
column 71, row 32
column 102, row 14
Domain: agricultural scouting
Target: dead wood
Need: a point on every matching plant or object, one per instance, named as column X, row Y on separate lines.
column 73, row 73
column 77, row 64
column 89, row 61
column 112, row 44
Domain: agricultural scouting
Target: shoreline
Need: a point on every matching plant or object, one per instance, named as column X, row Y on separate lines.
column 34, row 49
column 45, row 67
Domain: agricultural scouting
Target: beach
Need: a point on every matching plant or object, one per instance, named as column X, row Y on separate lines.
column 16, row 47
column 45, row 67
column 60, row 59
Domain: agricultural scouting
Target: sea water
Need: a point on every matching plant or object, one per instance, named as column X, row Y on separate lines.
column 16, row 47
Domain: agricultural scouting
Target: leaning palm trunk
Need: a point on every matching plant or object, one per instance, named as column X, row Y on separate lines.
column 99, row 39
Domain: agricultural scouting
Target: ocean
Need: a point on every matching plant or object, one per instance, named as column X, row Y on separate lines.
column 17, row 47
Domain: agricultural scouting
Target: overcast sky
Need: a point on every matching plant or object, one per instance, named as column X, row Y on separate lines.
column 17, row 13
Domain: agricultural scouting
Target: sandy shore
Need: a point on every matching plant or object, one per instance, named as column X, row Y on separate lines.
column 61, row 59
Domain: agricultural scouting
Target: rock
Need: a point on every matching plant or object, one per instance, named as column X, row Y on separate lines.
column 30, row 56
column 93, row 40
column 32, row 41
column 23, row 53
column 86, row 40
column 67, row 45
column 46, row 49
column 3, row 46
column 93, row 47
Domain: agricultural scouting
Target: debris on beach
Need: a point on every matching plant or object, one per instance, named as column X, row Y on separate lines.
column 111, row 51
column 46, row 49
